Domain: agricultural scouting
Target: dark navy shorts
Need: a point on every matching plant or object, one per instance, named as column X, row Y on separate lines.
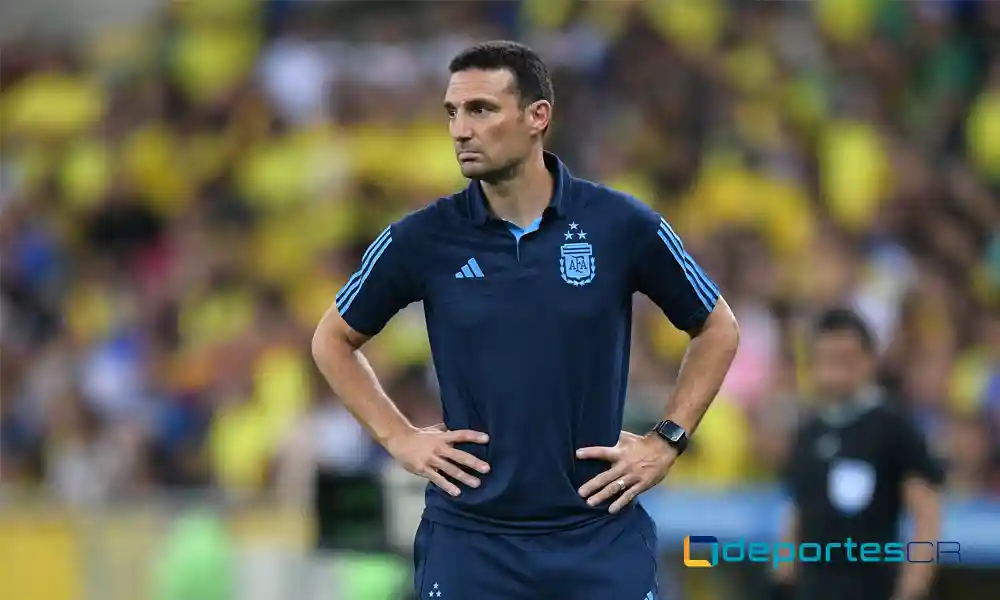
column 614, row 559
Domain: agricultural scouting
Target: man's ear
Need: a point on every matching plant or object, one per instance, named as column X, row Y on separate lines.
column 539, row 116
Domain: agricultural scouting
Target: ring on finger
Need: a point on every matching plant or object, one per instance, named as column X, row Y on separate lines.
column 621, row 485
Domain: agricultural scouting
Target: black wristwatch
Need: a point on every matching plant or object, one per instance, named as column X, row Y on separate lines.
column 674, row 434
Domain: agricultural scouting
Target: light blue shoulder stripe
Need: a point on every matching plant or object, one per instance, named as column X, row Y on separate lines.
column 365, row 260
column 357, row 281
column 703, row 286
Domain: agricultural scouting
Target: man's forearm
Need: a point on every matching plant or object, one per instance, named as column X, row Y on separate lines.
column 353, row 380
column 914, row 581
column 915, row 577
column 924, row 503
column 704, row 368
column 785, row 571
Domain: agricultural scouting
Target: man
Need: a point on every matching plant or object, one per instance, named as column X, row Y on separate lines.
column 854, row 466
column 527, row 278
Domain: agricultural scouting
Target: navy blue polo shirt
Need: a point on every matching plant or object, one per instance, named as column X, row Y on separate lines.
column 530, row 333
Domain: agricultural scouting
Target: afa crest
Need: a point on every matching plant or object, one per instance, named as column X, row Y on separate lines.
column 576, row 259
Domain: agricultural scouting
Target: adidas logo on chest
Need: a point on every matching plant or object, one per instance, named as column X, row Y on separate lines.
column 470, row 270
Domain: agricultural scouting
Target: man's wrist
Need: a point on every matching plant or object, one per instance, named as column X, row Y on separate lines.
column 390, row 434
column 672, row 434
column 663, row 447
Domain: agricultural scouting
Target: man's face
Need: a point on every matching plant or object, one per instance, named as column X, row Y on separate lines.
column 840, row 364
column 492, row 133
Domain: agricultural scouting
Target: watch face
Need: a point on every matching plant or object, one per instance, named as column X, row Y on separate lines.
column 671, row 433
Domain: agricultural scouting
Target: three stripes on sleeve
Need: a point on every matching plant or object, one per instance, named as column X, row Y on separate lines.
column 702, row 285
column 349, row 293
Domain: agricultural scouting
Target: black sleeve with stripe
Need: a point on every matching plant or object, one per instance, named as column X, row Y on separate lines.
column 670, row 277
column 381, row 287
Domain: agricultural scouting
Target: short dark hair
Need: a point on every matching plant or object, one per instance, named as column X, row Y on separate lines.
column 531, row 75
column 844, row 320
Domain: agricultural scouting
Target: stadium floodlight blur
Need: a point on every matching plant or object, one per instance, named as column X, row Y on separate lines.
column 184, row 189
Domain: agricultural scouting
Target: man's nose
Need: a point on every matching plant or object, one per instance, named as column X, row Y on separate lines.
column 460, row 130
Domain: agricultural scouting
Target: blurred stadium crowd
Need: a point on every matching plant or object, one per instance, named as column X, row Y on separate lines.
column 182, row 199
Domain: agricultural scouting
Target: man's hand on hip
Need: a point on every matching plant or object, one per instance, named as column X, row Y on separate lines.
column 430, row 453
column 637, row 464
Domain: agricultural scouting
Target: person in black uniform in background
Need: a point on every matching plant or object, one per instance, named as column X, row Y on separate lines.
column 856, row 464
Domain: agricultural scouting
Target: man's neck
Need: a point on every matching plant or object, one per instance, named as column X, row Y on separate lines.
column 847, row 408
column 523, row 196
